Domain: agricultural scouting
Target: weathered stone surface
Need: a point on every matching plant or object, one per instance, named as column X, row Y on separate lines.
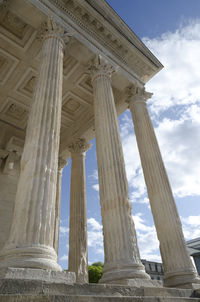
column 197, row 293
column 178, row 268
column 138, row 282
column 38, row 274
column 122, row 258
column 78, row 250
column 31, row 239
column 32, row 298
column 61, row 164
column 36, row 287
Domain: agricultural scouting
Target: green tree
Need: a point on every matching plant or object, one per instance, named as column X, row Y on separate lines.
column 95, row 272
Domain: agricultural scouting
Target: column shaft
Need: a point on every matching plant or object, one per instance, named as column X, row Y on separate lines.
column 122, row 259
column 176, row 261
column 30, row 243
column 61, row 164
column 78, row 251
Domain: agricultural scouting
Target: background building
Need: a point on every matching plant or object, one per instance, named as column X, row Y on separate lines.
column 194, row 249
column 154, row 269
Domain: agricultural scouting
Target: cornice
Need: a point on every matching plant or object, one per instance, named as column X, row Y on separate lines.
column 113, row 18
column 113, row 34
column 82, row 16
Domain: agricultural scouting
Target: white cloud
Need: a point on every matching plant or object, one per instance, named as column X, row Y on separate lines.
column 180, row 145
column 94, row 175
column 178, row 82
column 191, row 227
column 63, row 258
column 95, row 236
column 175, row 110
column 94, row 224
column 132, row 159
column 64, row 230
column 147, row 239
column 179, row 142
column 96, row 187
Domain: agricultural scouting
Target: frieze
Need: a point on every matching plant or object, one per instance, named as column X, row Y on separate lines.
column 116, row 44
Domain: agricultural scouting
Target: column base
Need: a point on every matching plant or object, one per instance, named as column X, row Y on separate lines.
column 119, row 274
column 37, row 274
column 182, row 280
column 39, row 257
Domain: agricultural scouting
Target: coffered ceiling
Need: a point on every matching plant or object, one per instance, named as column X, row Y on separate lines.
column 20, row 51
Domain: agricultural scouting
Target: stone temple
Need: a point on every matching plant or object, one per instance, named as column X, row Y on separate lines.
column 68, row 68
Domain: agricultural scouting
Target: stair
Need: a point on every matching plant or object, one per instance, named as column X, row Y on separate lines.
column 40, row 291
column 60, row 298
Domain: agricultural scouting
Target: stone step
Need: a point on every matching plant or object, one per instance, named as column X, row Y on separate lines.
column 25, row 287
column 61, row 298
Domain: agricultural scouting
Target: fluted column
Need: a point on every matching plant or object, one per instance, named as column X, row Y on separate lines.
column 178, row 267
column 31, row 239
column 122, row 259
column 61, row 164
column 78, row 251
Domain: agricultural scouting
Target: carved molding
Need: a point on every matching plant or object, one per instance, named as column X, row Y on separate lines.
column 135, row 93
column 8, row 64
column 122, row 47
column 14, row 112
column 16, row 30
column 61, row 163
column 52, row 29
column 69, row 65
column 92, row 25
column 84, row 83
column 26, row 84
column 11, row 153
column 80, row 145
column 3, row 153
column 100, row 66
column 4, row 4
column 15, row 144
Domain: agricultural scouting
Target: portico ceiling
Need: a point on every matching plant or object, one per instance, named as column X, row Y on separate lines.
column 95, row 28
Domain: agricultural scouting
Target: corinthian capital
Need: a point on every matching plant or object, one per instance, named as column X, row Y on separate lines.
column 135, row 93
column 52, row 29
column 61, row 163
column 80, row 145
column 100, row 66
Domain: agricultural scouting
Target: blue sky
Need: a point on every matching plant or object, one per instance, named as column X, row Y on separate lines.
column 171, row 29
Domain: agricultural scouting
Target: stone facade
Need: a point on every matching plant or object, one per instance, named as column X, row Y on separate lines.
column 67, row 70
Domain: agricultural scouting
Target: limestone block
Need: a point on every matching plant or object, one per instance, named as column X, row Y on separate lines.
column 35, row 290
column 38, row 274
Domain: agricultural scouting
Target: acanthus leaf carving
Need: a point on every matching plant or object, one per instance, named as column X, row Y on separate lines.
column 100, row 66
column 80, row 145
column 51, row 28
column 137, row 93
